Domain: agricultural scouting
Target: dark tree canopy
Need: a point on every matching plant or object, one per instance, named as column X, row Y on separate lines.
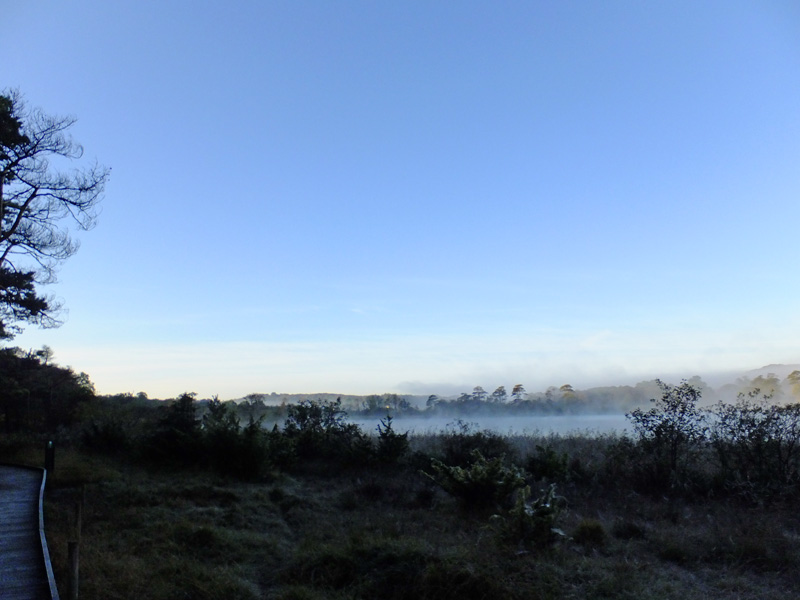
column 37, row 395
column 19, row 302
column 38, row 203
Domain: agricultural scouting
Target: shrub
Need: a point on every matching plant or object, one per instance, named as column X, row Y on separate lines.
column 216, row 442
column 106, row 436
column 590, row 532
column 177, row 438
column 485, row 483
column 229, row 449
column 380, row 568
column 252, row 459
column 320, row 430
column 532, row 523
column 315, row 417
column 671, row 433
column 548, row 464
column 280, row 449
column 220, row 429
column 377, row 568
column 452, row 580
column 757, row 444
column 622, row 463
column 460, row 440
column 391, row 445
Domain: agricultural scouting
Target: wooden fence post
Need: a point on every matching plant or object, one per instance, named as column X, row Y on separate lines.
column 73, row 570
column 74, row 547
column 79, row 513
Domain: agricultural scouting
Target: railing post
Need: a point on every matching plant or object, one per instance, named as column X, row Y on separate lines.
column 79, row 513
column 73, row 570
column 74, row 547
column 50, row 456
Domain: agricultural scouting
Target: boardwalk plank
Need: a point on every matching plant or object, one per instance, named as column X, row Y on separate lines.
column 23, row 572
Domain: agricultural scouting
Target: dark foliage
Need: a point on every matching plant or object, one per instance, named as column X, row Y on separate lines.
column 319, row 430
column 671, row 434
column 375, row 404
column 483, row 484
column 19, row 302
column 390, row 570
column 106, row 436
column 460, row 440
column 392, row 446
column 757, row 445
column 38, row 396
column 590, row 533
column 176, row 440
column 548, row 464
column 216, row 441
column 229, row 449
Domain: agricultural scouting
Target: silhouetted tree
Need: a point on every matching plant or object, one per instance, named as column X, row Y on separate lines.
column 397, row 403
column 391, row 445
column 181, row 415
column 499, row 395
column 177, row 439
column 19, row 302
column 35, row 198
column 374, row 403
column 566, row 390
column 793, row 381
column 569, row 398
column 518, row 393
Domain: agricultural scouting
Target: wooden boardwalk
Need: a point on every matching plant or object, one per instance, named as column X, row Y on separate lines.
column 25, row 572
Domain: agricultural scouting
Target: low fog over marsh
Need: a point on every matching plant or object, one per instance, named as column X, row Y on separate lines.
column 545, row 424
column 515, row 411
column 492, row 495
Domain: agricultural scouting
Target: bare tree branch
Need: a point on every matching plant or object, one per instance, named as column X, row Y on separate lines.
column 39, row 204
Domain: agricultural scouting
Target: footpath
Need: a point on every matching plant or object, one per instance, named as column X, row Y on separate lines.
column 25, row 572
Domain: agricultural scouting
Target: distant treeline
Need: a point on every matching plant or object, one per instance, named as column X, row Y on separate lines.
column 564, row 400
column 677, row 443
column 38, row 395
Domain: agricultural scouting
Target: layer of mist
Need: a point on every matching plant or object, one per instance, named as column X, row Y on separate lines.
column 516, row 411
column 587, row 425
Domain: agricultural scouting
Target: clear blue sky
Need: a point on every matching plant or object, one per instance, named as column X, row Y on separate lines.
column 366, row 197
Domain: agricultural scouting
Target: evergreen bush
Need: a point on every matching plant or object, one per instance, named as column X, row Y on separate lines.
column 532, row 523
column 485, row 483
column 392, row 446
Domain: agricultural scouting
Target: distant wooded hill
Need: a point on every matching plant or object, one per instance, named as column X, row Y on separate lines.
column 780, row 371
column 780, row 381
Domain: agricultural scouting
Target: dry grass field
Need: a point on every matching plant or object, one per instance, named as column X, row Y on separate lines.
column 326, row 530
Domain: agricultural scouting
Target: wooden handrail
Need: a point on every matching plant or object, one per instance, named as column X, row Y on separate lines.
column 51, row 580
column 45, row 554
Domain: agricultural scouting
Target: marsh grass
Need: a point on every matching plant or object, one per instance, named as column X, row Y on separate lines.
column 590, row 533
column 374, row 530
